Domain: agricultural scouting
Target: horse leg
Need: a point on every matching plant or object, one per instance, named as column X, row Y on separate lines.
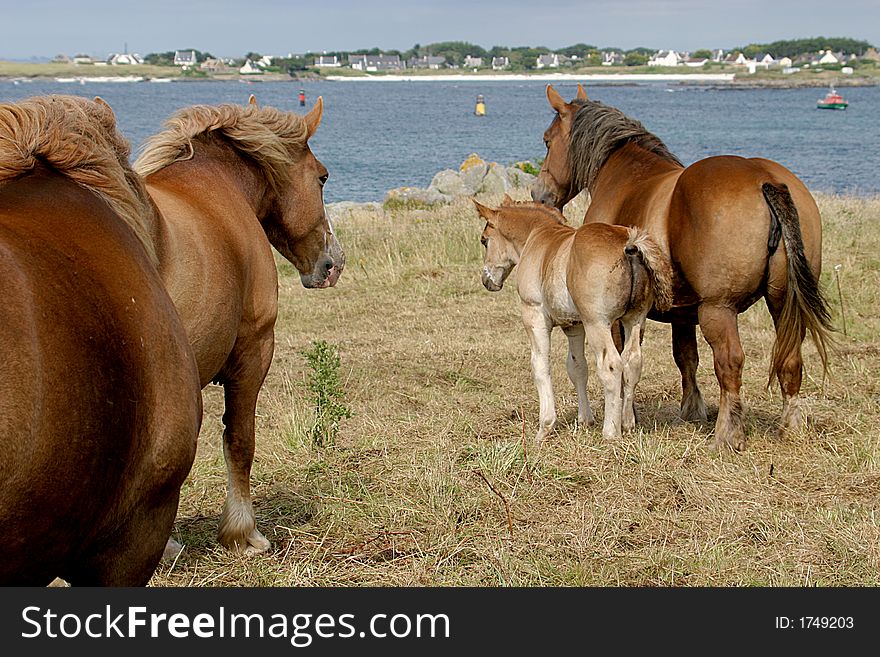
column 719, row 327
column 632, row 368
column 790, row 375
column 576, row 366
column 539, row 329
column 609, row 367
column 248, row 367
column 687, row 358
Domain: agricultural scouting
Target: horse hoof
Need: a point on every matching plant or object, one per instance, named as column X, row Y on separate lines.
column 737, row 443
column 172, row 549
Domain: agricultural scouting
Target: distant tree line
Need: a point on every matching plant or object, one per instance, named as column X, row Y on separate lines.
column 795, row 47
column 525, row 57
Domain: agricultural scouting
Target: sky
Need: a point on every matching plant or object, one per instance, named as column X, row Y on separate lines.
column 45, row 28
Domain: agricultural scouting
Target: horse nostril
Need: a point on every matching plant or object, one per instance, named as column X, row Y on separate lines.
column 328, row 265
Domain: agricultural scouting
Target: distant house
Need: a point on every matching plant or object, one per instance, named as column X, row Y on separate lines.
column 264, row 62
column 612, row 58
column 473, row 62
column 736, row 59
column 695, row 62
column 718, row 56
column 765, row 61
column 427, row 61
column 327, row 61
column 125, row 59
column 547, row 61
column 500, row 63
column 665, row 58
column 185, row 58
column 374, row 63
column 785, row 62
column 83, row 59
column 250, row 68
column 61, row 59
column 214, row 66
column 829, row 57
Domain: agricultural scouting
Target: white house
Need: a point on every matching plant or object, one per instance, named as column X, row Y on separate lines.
column 376, row 62
column 828, row 58
column 185, row 58
column 500, row 63
column 125, row 59
column 765, row 61
column 785, row 62
column 250, row 68
column 428, row 61
column 473, row 62
column 327, row 61
column 665, row 58
column 547, row 61
column 612, row 58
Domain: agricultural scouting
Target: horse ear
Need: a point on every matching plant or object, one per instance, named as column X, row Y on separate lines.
column 581, row 94
column 103, row 103
column 313, row 118
column 252, row 100
column 555, row 100
column 485, row 212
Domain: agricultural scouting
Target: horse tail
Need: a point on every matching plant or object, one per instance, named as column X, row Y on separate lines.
column 804, row 308
column 644, row 254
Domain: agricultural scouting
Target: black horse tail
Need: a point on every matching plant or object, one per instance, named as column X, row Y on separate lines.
column 655, row 262
column 804, row 308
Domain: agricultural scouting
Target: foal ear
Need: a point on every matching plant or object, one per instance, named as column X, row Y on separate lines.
column 313, row 118
column 556, row 101
column 485, row 212
column 252, row 100
column 581, row 94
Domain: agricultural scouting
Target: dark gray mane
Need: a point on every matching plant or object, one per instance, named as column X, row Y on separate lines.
column 597, row 131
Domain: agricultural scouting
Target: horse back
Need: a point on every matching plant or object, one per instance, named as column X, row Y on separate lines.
column 99, row 403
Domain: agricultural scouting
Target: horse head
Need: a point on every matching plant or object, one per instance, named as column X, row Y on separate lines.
column 297, row 224
column 500, row 257
column 555, row 184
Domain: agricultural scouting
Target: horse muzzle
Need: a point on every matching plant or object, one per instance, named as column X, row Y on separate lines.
column 326, row 273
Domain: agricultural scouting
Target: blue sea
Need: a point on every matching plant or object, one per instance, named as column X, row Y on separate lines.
column 376, row 136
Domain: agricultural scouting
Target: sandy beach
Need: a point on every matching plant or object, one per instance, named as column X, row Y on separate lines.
column 560, row 77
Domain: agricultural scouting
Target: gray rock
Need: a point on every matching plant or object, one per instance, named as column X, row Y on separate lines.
column 448, row 182
column 416, row 196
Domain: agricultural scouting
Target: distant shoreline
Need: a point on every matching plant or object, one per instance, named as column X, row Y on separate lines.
column 549, row 77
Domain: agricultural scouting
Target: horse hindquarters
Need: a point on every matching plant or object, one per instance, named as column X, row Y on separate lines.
column 795, row 303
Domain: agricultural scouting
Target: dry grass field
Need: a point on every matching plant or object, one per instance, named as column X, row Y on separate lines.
column 434, row 479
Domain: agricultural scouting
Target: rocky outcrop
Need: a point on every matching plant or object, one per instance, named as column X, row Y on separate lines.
column 474, row 177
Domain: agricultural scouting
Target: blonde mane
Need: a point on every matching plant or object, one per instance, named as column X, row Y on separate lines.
column 78, row 138
column 532, row 206
column 266, row 135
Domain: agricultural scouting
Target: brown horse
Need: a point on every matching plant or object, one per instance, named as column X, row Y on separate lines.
column 736, row 230
column 229, row 183
column 582, row 280
column 100, row 404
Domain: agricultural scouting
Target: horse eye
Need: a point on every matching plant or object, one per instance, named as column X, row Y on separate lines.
column 324, row 178
column 483, row 240
column 547, row 144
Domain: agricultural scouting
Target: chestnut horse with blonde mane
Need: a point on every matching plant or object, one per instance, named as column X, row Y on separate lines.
column 736, row 230
column 100, row 402
column 230, row 182
column 582, row 280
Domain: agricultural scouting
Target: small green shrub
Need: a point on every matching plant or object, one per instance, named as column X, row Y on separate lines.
column 325, row 390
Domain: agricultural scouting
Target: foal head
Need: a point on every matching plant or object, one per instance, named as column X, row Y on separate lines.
column 555, row 184
column 506, row 230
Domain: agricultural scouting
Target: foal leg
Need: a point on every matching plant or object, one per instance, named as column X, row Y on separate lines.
column 576, row 366
column 719, row 326
column 632, row 368
column 687, row 358
column 246, row 370
column 790, row 375
column 539, row 329
column 609, row 366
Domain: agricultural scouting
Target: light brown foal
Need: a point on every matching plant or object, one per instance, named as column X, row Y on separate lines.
column 581, row 280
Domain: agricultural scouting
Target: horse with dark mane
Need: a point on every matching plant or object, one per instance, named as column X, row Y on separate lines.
column 230, row 182
column 100, row 403
column 736, row 230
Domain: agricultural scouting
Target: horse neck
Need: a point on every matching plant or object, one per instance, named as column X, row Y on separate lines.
column 225, row 167
column 518, row 227
column 630, row 163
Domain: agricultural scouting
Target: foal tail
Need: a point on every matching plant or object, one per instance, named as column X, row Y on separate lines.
column 642, row 251
column 804, row 308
